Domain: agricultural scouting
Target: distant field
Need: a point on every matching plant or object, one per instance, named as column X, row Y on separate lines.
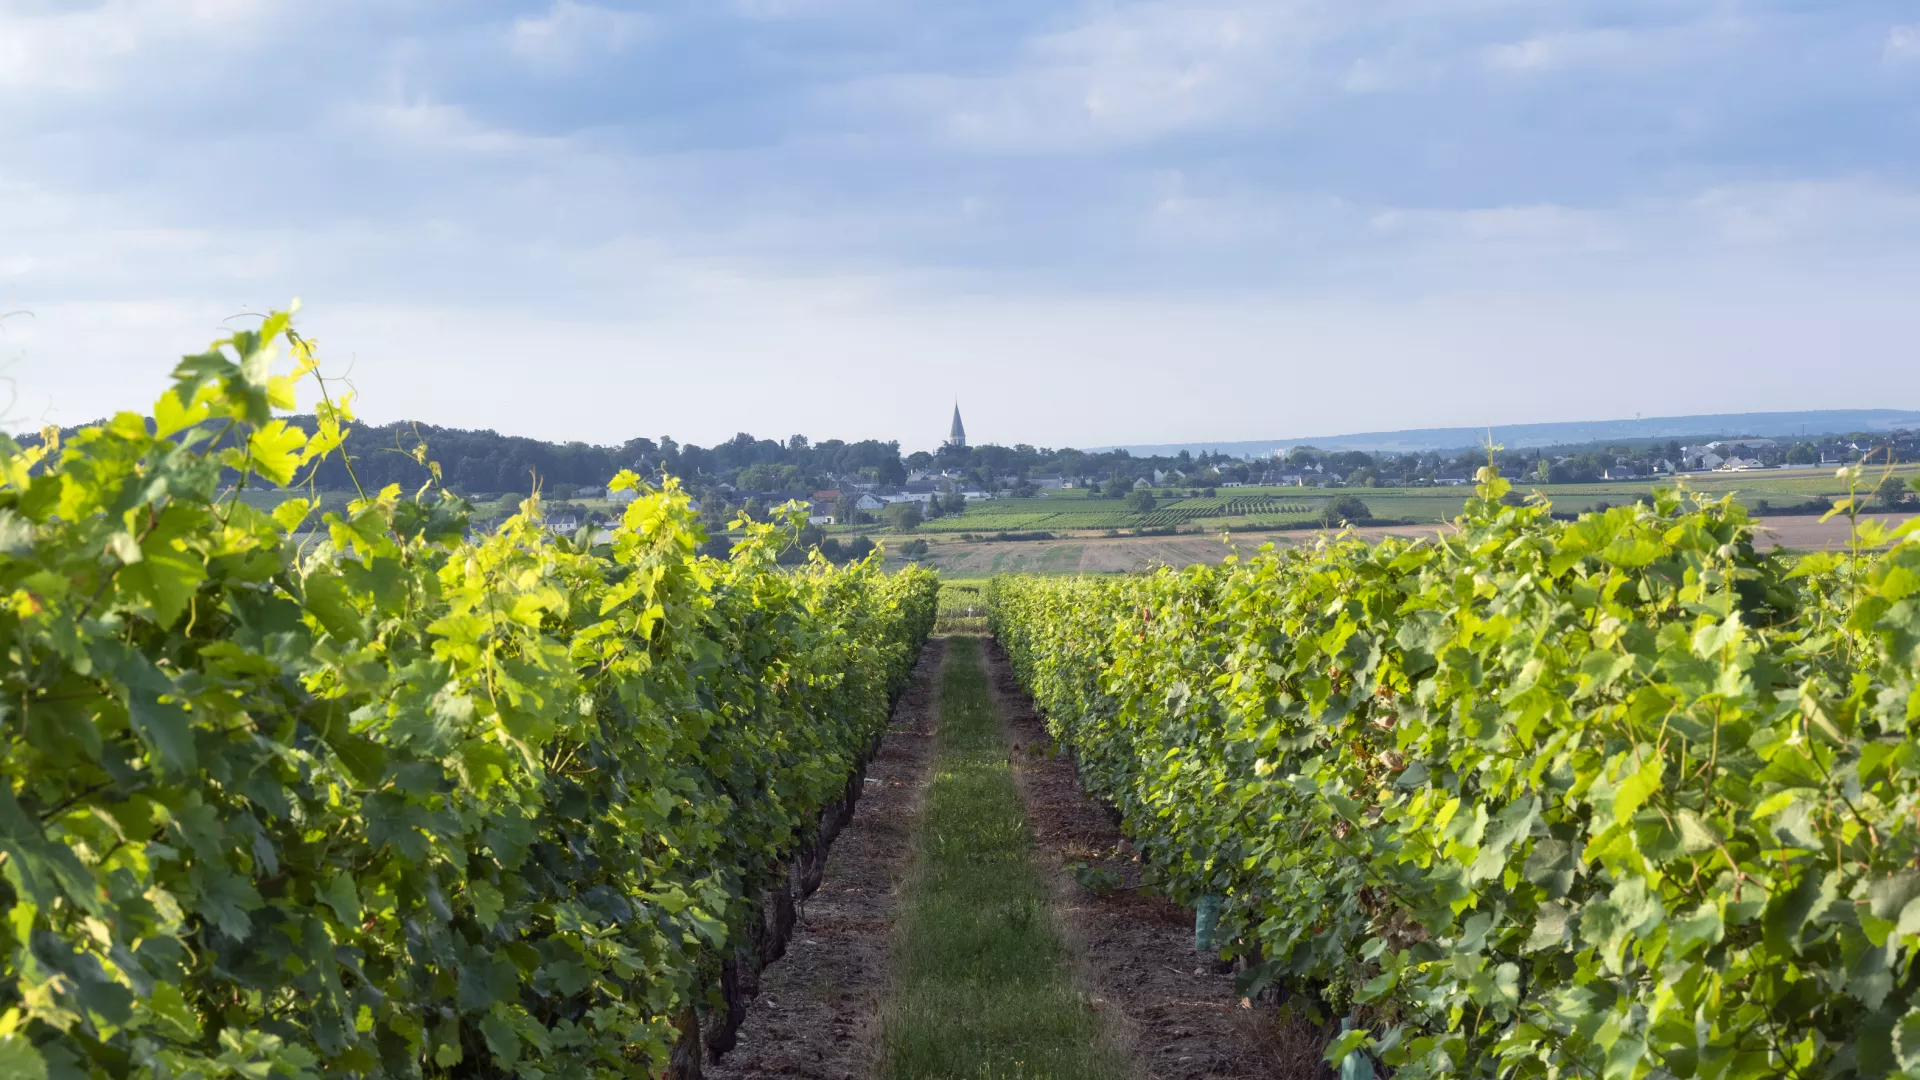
column 1102, row 555
column 1075, row 511
column 1062, row 512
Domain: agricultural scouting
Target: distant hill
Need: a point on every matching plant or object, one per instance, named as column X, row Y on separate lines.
column 1524, row 436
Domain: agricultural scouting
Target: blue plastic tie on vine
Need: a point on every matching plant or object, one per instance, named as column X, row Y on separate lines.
column 1206, row 921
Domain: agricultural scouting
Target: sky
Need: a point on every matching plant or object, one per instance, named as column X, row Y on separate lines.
column 1090, row 222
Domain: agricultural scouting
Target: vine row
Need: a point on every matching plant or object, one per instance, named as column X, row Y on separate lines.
column 370, row 794
column 1614, row 797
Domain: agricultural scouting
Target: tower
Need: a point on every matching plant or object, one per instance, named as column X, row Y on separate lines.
column 957, row 438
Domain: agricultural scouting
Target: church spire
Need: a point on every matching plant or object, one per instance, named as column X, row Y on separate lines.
column 957, row 438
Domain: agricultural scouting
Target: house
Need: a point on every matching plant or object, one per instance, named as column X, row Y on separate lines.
column 975, row 495
column 1141, row 484
column 561, row 524
column 820, row 519
column 1234, row 483
column 828, row 496
column 1620, row 472
column 868, row 502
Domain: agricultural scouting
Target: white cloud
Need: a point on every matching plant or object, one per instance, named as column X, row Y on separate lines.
column 429, row 127
column 773, row 10
column 1064, row 194
column 1539, row 230
column 1819, row 212
column 572, row 33
column 1903, row 43
column 87, row 49
column 1119, row 75
column 1587, row 48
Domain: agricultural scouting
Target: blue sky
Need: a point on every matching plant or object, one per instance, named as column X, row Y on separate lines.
column 1093, row 222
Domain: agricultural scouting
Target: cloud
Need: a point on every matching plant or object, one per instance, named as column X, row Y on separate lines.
column 1903, row 44
column 1119, row 75
column 572, row 33
column 1056, row 191
column 1555, row 232
column 87, row 49
column 809, row 9
column 430, row 127
column 1830, row 212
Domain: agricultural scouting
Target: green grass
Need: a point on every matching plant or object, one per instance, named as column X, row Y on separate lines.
column 984, row 984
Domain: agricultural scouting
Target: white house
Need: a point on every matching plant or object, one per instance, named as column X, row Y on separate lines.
column 868, row 502
column 820, row 519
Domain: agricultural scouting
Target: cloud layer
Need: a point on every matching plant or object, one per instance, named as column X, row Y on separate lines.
column 1097, row 222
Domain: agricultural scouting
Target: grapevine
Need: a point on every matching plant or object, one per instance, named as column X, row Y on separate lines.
column 369, row 795
column 1621, row 796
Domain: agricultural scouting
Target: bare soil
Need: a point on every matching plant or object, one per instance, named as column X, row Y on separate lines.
column 816, row 1015
column 1177, row 1016
column 1809, row 533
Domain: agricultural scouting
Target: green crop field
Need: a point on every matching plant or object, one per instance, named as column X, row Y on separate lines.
column 1073, row 511
column 1076, row 510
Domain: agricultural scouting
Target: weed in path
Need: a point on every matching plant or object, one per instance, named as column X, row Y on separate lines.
column 985, row 984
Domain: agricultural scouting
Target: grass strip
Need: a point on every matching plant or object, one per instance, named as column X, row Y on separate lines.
column 985, row 986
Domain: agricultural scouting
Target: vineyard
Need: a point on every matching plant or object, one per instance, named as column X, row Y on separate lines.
column 1617, row 797
column 301, row 788
column 403, row 800
column 1026, row 515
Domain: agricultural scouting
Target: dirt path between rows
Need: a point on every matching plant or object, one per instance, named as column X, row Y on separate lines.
column 816, row 1016
column 1176, row 1015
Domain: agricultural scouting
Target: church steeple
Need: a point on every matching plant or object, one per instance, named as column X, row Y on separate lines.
column 957, row 438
